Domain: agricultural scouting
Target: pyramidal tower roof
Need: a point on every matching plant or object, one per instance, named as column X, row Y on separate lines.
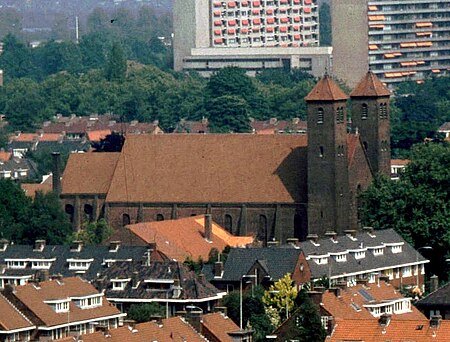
column 370, row 86
column 326, row 90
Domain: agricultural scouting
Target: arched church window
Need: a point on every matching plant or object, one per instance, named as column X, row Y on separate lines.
column 159, row 217
column 364, row 111
column 126, row 220
column 69, row 210
column 320, row 115
column 89, row 212
column 262, row 229
column 228, row 223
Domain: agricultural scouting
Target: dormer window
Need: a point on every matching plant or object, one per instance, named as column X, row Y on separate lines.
column 89, row 302
column 396, row 249
column 79, row 264
column 378, row 251
column 341, row 258
column 360, row 255
column 41, row 264
column 16, row 264
column 319, row 260
column 59, row 305
column 119, row 284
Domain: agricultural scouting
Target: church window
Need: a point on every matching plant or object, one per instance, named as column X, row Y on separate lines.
column 320, row 115
column 89, row 212
column 126, row 220
column 364, row 111
column 228, row 224
column 383, row 111
column 340, row 115
column 321, row 151
column 262, row 229
column 69, row 211
column 159, row 217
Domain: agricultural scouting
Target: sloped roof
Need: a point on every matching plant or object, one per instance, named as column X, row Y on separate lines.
column 370, row 86
column 341, row 307
column 326, row 90
column 30, row 189
column 278, row 261
column 33, row 298
column 89, row 173
column 5, row 156
column 97, row 135
column 440, row 297
column 219, row 326
column 396, row 331
column 211, row 168
column 11, row 318
column 191, row 242
column 444, row 127
column 172, row 329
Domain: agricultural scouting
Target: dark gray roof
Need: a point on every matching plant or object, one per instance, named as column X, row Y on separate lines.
column 277, row 261
column 99, row 254
column 192, row 287
column 440, row 297
column 362, row 240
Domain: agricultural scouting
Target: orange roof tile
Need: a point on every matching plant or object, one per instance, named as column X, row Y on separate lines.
column 395, row 331
column 219, row 326
column 370, row 86
column 34, row 296
column 98, row 135
column 26, row 137
column 5, row 156
column 326, row 90
column 155, row 168
column 11, row 318
column 31, row 188
column 400, row 161
column 50, row 137
column 172, row 329
column 89, row 173
column 191, row 242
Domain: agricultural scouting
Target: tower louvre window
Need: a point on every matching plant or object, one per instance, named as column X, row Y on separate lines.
column 364, row 112
column 340, row 115
column 320, row 116
column 382, row 111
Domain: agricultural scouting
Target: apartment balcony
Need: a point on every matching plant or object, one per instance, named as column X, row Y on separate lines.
column 412, row 29
column 405, row 2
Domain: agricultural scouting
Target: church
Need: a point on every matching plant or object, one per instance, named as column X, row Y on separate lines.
column 274, row 187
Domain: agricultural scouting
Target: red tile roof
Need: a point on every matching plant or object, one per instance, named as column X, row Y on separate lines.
column 50, row 137
column 96, row 136
column 191, row 243
column 31, row 188
column 89, row 173
column 171, row 329
column 219, row 326
column 370, row 86
column 210, row 168
column 326, row 90
column 395, row 331
column 26, row 137
column 11, row 318
column 5, row 156
column 33, row 297
column 402, row 162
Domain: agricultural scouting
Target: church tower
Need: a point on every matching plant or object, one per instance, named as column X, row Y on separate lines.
column 328, row 195
column 370, row 117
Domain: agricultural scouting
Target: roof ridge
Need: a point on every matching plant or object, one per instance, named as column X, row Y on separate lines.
column 16, row 309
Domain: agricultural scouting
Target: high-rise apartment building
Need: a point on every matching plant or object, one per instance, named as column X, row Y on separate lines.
column 210, row 34
column 399, row 40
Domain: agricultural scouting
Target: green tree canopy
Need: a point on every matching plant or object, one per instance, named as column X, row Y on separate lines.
column 228, row 113
column 145, row 312
column 94, row 233
column 116, row 65
column 416, row 206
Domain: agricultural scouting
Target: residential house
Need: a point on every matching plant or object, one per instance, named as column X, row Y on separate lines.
column 16, row 168
column 437, row 302
column 45, row 186
column 210, row 327
column 169, row 283
column 14, row 326
column 186, row 126
column 62, row 307
column 397, row 167
column 192, row 237
column 262, row 266
column 445, row 129
column 275, row 126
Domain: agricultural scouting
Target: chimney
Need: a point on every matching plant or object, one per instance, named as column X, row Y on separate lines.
column 39, row 245
column 3, row 245
column 295, row 121
column 76, row 246
column 435, row 321
column 273, row 243
column 434, row 283
column 292, row 241
column 384, row 320
column 56, row 173
column 316, row 297
column 273, row 121
column 336, row 291
column 42, row 275
column 218, row 269
column 351, row 233
column 332, row 235
column 114, row 246
column 194, row 318
column 208, row 227
column 222, row 309
column 369, row 230
column 314, row 238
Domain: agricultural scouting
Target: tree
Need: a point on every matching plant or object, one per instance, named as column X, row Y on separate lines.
column 94, row 233
column 14, row 210
column 111, row 143
column 305, row 324
column 416, row 206
column 145, row 312
column 228, row 113
column 116, row 66
column 47, row 221
column 325, row 24
column 279, row 300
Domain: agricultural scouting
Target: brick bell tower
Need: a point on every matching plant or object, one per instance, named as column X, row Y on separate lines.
column 328, row 182
column 370, row 116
